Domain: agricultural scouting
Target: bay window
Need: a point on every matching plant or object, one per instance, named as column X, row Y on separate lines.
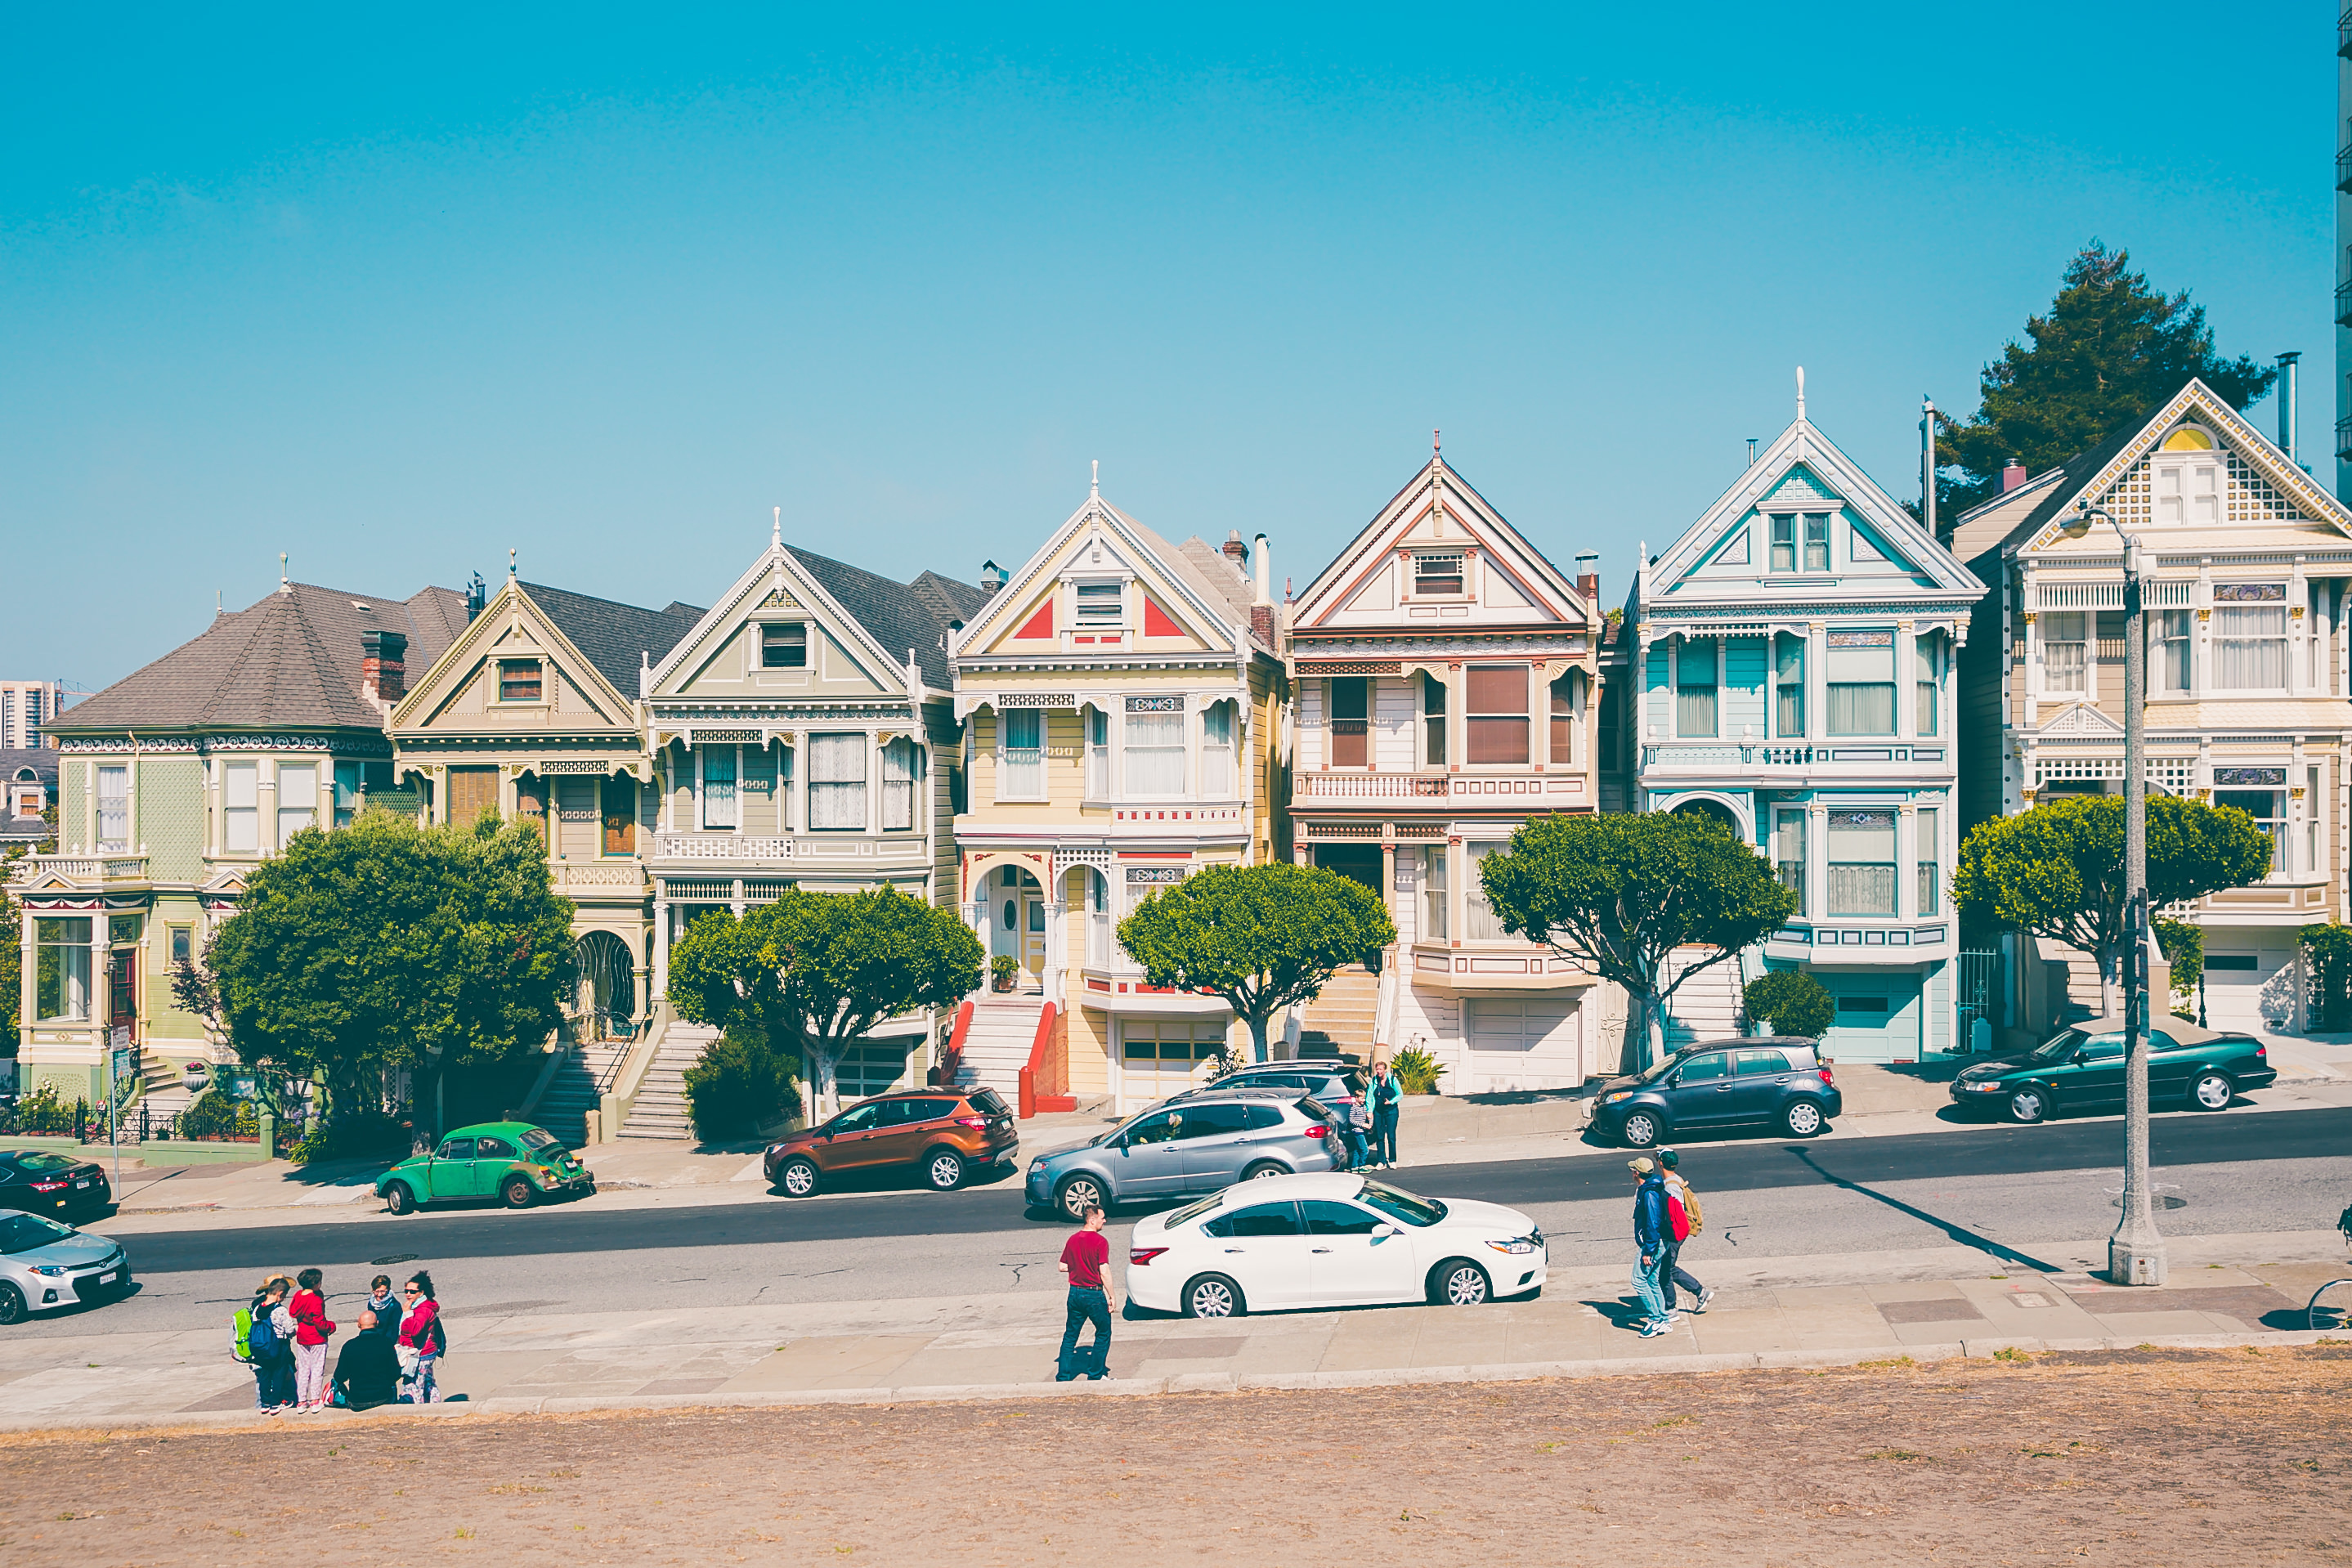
column 1021, row 771
column 1695, row 688
column 901, row 766
column 1497, row 713
column 1217, row 750
column 1153, row 746
column 719, row 787
column 2065, row 646
column 1351, row 738
column 1789, row 852
column 1862, row 862
column 2172, row 653
column 1098, row 754
column 837, row 782
column 354, row 781
column 241, row 808
column 113, row 809
column 2250, row 646
column 1860, row 670
column 1434, row 893
column 1481, row 923
column 1923, row 658
column 1562, row 739
column 1433, row 720
column 298, row 799
column 2259, row 793
column 61, row 968
column 1928, row 852
column 1789, row 687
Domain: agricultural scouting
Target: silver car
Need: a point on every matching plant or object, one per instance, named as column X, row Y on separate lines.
column 45, row 1266
column 1198, row 1144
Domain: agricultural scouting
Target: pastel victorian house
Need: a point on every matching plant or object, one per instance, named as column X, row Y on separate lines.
column 1447, row 675
column 174, row 783
column 2247, row 562
column 1122, row 698
column 1793, row 653
column 532, row 712
column 802, row 734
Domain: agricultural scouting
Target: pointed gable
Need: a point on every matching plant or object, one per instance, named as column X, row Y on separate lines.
column 587, row 653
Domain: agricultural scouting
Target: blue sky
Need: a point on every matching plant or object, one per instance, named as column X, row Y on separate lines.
column 394, row 291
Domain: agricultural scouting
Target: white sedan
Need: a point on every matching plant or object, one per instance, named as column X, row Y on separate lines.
column 1328, row 1240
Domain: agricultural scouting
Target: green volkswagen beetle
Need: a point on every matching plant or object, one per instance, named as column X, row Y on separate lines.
column 2082, row 1069
column 512, row 1162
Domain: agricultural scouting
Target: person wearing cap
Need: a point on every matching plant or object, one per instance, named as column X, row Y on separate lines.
column 1671, row 1272
column 1651, row 1230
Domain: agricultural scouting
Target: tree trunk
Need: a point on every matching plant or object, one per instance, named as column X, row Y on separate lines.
column 1258, row 1051
column 826, row 1058
column 2111, row 987
column 1645, row 1031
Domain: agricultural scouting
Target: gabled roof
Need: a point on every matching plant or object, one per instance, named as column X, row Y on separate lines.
column 946, row 598
column 616, row 638
column 291, row 660
column 1802, row 446
column 42, row 759
column 898, row 616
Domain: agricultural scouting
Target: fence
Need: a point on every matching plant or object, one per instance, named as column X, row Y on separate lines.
column 1981, row 980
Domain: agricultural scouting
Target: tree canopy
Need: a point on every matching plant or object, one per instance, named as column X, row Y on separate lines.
column 1262, row 937
column 384, row 944
column 2058, row 871
column 1621, row 891
column 1789, row 1002
column 820, row 969
column 2108, row 354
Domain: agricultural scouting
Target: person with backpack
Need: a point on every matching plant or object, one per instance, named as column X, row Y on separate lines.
column 423, row 1341
column 257, row 1342
column 1683, row 1212
column 1651, row 1232
column 312, row 1330
column 1388, row 1103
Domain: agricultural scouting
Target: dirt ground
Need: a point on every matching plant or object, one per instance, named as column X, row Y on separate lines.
column 2144, row 1458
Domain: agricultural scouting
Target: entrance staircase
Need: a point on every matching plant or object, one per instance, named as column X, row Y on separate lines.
column 659, row 1110
column 1708, row 1007
column 996, row 1048
column 1345, row 1015
column 580, row 1080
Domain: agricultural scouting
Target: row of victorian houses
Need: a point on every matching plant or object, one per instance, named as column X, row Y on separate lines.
column 1045, row 748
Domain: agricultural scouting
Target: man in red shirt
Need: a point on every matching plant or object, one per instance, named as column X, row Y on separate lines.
column 1086, row 1258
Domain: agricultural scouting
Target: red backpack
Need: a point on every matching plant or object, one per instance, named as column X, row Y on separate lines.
column 1677, row 1218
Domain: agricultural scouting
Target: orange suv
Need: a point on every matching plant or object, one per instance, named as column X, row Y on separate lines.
column 946, row 1133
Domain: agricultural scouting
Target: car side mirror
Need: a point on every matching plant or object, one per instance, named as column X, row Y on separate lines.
column 1384, row 1231
column 1673, row 1080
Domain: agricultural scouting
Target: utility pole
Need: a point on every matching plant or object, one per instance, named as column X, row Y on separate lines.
column 2136, row 1252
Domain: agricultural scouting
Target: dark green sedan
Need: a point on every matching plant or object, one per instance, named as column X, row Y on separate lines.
column 2188, row 1069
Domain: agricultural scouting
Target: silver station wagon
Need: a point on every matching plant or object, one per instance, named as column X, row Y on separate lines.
column 1199, row 1144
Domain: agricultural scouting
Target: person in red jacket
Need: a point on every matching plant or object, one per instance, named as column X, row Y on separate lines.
column 421, row 1339
column 311, row 1331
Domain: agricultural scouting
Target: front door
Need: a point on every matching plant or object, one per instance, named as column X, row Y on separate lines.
column 1264, row 1248
column 123, row 989
column 1346, row 1261
column 451, row 1174
column 1033, row 930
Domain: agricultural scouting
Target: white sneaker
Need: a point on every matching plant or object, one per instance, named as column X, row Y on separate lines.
column 1704, row 1298
column 1655, row 1327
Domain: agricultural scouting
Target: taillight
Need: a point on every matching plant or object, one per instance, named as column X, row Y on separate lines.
column 1825, row 1073
column 971, row 1122
column 1143, row 1254
column 56, row 1187
column 1314, row 1130
column 2261, row 1050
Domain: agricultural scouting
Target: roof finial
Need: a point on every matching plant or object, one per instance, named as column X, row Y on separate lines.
column 283, row 586
column 1801, row 394
column 510, row 563
column 776, row 534
column 1093, row 486
column 1435, row 446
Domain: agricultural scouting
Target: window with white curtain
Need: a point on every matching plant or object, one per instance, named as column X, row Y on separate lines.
column 1924, row 661
column 836, row 784
column 1217, row 750
column 1694, row 676
column 1483, row 924
column 298, row 799
column 719, row 787
column 902, row 764
column 1153, row 746
column 241, row 808
column 1436, row 912
column 1789, row 687
column 1021, row 773
column 1862, row 862
column 1860, row 670
column 2250, row 648
column 113, row 809
column 1098, row 754
column 2266, row 806
column 1789, row 852
column 2170, row 629
column 2065, row 649
column 1929, row 853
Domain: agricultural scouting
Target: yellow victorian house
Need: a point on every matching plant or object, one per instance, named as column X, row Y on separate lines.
column 1122, row 698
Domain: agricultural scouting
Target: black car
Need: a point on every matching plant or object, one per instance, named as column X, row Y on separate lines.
column 37, row 1181
column 2082, row 1069
column 1723, row 1086
column 1334, row 1083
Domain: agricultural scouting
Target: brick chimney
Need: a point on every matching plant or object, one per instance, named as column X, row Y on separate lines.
column 1262, row 624
column 1588, row 576
column 1235, row 550
column 383, row 669
column 2012, row 475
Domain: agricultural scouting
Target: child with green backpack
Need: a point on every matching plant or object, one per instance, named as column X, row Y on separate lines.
column 258, row 1339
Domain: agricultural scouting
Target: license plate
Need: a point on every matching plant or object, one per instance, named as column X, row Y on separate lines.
column 81, row 1183
column 106, row 1278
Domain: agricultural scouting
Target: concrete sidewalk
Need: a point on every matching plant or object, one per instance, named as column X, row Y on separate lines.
column 1927, row 1305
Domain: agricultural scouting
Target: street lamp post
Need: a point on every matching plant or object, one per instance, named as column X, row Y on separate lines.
column 2136, row 1252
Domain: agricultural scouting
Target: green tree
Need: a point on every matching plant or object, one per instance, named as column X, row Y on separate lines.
column 2184, row 954
column 385, row 944
column 741, row 1085
column 1618, row 892
column 1262, row 937
column 820, row 969
column 2057, row 871
column 2111, row 351
column 12, row 930
column 1791, row 1001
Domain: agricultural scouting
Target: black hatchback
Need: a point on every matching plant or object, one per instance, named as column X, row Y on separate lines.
column 40, row 1182
column 1723, row 1086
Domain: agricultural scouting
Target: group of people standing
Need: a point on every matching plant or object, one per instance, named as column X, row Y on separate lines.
column 1667, row 1214
column 1364, row 1132
column 391, row 1359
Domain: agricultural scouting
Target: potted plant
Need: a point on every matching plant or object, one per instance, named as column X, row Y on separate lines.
column 1003, row 968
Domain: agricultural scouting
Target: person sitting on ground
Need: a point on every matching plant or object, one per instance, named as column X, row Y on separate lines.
column 367, row 1374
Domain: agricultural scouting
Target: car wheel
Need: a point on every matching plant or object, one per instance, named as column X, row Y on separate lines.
column 1080, row 1193
column 1641, row 1130
column 517, row 1193
column 12, row 1304
column 399, row 1199
column 944, row 1169
column 798, row 1178
column 1802, row 1119
column 1213, row 1296
column 1262, row 1170
column 1461, row 1283
column 2028, row 1105
column 2211, row 1092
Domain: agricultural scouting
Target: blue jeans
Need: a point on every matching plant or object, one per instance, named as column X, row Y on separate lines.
column 273, row 1381
column 1384, row 1126
column 1671, row 1273
column 1359, row 1149
column 1086, row 1306
column 1645, row 1285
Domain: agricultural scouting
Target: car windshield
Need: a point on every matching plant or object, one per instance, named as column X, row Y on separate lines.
column 1411, row 1208
column 2059, row 1049
column 1657, row 1070
column 538, row 1138
column 1193, row 1211
column 41, row 1160
column 24, row 1232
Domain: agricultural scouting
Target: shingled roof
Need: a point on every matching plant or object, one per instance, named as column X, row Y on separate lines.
column 291, row 660
column 614, row 637
column 898, row 616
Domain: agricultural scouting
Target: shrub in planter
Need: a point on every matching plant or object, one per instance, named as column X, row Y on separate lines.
column 1791, row 1002
column 1416, row 1070
column 1003, row 968
column 739, row 1086
column 214, row 1117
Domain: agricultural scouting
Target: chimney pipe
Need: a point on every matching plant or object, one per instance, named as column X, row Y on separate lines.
column 2286, row 364
column 1261, row 562
column 1751, row 451
column 383, row 668
column 2012, row 475
column 992, row 577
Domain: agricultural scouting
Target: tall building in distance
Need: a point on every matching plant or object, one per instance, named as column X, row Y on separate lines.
column 25, row 707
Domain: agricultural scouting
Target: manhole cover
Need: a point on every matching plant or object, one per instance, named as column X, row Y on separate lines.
column 2160, row 1202
column 395, row 1258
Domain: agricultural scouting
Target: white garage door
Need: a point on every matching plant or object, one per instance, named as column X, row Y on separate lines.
column 1515, row 1024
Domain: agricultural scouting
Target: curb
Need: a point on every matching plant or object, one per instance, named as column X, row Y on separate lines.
column 1193, row 1382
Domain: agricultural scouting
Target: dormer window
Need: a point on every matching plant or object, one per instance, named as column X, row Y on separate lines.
column 1436, row 575
column 2186, row 475
column 784, row 648
column 1810, row 529
column 1099, row 605
column 519, row 680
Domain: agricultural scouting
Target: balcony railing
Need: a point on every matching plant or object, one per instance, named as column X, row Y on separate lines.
column 2344, row 170
column 2344, row 304
column 83, row 868
column 719, row 847
column 2344, row 35
column 2344, row 438
column 1370, row 786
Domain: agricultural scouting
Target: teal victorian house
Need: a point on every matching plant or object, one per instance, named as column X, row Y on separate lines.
column 1790, row 672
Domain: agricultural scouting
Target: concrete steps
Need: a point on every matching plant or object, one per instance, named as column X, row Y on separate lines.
column 995, row 1049
column 1346, row 1013
column 661, row 1111
column 577, row 1087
